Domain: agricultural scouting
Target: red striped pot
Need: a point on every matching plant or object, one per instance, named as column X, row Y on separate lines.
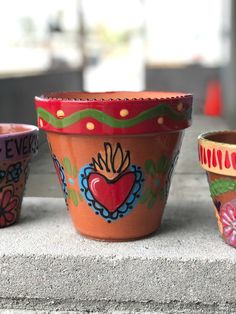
column 217, row 155
column 114, row 154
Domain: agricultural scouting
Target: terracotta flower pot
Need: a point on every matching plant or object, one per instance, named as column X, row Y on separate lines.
column 18, row 142
column 217, row 155
column 114, row 154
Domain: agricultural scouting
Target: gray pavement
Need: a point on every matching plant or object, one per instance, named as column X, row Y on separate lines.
column 45, row 265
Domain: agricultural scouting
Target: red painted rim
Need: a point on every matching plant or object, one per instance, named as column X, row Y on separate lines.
column 114, row 113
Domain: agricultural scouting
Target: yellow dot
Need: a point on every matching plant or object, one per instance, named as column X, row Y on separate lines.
column 124, row 112
column 180, row 106
column 90, row 126
column 160, row 120
column 41, row 123
column 60, row 113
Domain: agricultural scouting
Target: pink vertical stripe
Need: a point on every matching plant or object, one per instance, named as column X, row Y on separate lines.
column 214, row 163
column 204, row 156
column 227, row 161
column 219, row 157
column 233, row 160
column 209, row 158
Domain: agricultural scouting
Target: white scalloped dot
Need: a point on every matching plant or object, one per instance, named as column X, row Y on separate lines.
column 180, row 106
column 60, row 114
column 40, row 122
column 160, row 120
column 124, row 113
column 90, row 126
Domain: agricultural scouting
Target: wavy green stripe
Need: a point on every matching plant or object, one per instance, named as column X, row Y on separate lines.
column 162, row 110
column 221, row 186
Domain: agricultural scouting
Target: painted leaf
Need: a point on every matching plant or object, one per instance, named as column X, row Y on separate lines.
column 80, row 196
column 75, row 171
column 222, row 186
column 151, row 201
column 150, row 167
column 162, row 164
column 145, row 196
column 67, row 165
column 163, row 194
column 73, row 196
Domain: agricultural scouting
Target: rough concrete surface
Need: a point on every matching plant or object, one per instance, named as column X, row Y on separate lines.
column 186, row 263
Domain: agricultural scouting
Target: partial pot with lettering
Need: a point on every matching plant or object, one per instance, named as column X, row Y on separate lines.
column 18, row 143
column 217, row 155
column 114, row 154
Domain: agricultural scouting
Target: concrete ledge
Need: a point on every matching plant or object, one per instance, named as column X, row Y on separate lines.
column 186, row 267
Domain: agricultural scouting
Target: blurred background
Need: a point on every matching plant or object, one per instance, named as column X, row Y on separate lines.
column 54, row 45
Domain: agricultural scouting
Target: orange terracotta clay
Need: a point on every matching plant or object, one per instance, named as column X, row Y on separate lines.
column 217, row 155
column 115, row 157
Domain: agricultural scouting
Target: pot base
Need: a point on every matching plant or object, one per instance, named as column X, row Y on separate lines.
column 140, row 237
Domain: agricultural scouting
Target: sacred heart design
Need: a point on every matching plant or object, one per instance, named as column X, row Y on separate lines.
column 110, row 185
column 111, row 193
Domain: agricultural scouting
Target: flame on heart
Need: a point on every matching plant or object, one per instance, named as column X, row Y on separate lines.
column 112, row 161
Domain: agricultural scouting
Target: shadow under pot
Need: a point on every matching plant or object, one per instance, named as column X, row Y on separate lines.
column 18, row 144
column 114, row 154
column 217, row 155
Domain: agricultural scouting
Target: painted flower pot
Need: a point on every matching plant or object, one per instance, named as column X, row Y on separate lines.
column 18, row 142
column 114, row 154
column 217, row 155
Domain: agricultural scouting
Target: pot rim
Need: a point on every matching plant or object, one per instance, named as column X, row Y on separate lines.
column 204, row 137
column 217, row 156
column 91, row 113
column 79, row 97
column 27, row 128
column 18, row 141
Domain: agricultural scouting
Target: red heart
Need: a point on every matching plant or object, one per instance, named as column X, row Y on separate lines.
column 111, row 193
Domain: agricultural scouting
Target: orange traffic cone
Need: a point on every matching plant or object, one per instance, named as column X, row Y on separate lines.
column 213, row 102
